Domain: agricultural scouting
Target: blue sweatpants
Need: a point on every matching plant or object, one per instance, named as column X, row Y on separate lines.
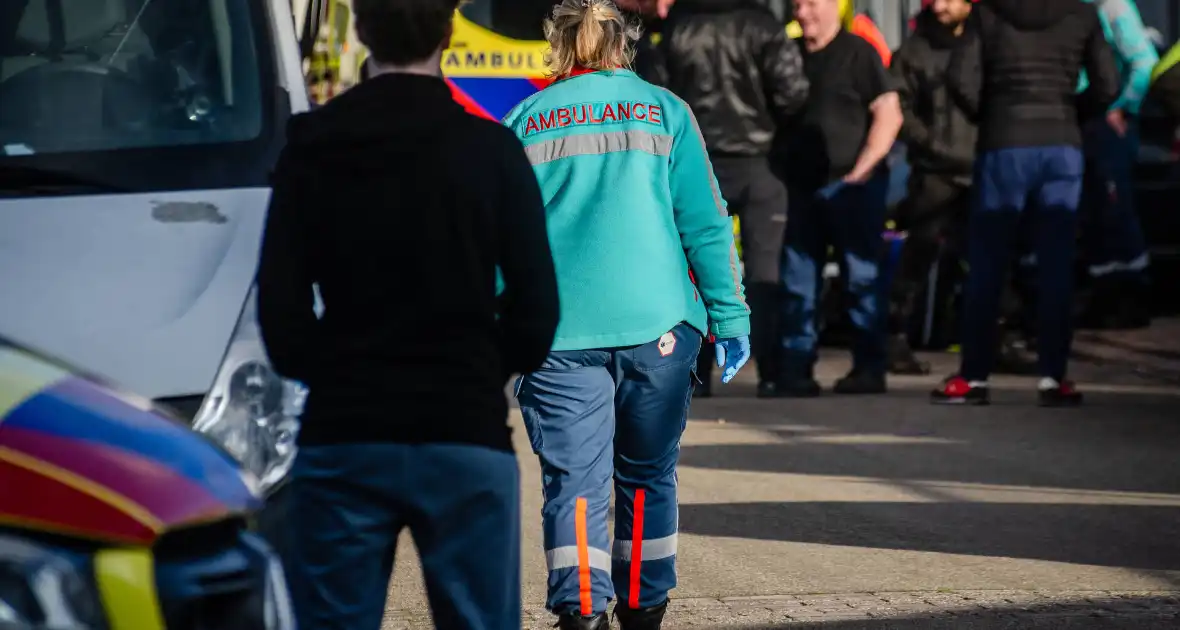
column 594, row 414
column 1113, row 237
column 850, row 218
column 1049, row 180
column 349, row 502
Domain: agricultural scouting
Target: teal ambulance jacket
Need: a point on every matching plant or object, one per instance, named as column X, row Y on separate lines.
column 632, row 205
column 1134, row 51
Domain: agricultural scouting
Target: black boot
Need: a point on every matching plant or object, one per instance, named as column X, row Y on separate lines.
column 798, row 378
column 641, row 618
column 1013, row 357
column 574, row 621
column 767, row 389
column 902, row 360
column 861, row 381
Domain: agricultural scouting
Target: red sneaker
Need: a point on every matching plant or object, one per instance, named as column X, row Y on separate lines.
column 956, row 390
column 1051, row 393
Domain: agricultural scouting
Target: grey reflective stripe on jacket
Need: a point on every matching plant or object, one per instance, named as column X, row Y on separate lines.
column 599, row 144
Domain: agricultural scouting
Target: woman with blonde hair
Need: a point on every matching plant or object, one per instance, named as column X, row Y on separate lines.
column 646, row 266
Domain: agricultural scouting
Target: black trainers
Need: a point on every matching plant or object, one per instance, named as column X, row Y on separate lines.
column 1051, row 393
column 861, row 382
column 640, row 618
column 956, row 390
column 574, row 621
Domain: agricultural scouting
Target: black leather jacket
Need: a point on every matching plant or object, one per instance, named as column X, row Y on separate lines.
column 940, row 136
column 732, row 62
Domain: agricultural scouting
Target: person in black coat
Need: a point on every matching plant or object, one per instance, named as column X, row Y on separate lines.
column 732, row 62
column 423, row 229
column 940, row 141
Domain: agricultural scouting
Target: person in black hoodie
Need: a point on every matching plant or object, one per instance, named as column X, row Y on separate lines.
column 1017, row 72
column 940, row 140
column 406, row 213
column 732, row 62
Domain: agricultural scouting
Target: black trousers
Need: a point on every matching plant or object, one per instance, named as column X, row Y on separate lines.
column 759, row 198
column 933, row 214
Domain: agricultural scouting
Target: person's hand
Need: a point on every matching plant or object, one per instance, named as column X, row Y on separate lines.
column 857, row 176
column 1117, row 121
column 732, row 354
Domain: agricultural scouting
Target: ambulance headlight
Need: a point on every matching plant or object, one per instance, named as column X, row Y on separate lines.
column 251, row 411
column 40, row 588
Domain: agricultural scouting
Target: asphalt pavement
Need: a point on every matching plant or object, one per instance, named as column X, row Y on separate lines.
column 885, row 512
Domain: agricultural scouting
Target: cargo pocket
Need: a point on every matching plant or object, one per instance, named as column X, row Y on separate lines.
column 677, row 348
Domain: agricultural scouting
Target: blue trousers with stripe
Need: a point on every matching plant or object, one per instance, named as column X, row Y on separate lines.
column 1048, row 181
column 594, row 416
column 1113, row 237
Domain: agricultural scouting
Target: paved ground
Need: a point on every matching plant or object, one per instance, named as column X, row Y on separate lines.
column 884, row 512
column 1152, row 352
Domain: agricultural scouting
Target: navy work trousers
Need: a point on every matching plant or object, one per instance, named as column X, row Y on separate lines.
column 1048, row 181
column 349, row 503
column 596, row 414
column 851, row 218
column 1113, row 237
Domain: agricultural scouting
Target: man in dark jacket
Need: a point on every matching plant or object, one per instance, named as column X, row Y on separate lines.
column 834, row 165
column 940, row 140
column 732, row 62
column 400, row 208
column 1017, row 73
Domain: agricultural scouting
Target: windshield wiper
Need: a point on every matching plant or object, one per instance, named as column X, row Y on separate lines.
column 31, row 180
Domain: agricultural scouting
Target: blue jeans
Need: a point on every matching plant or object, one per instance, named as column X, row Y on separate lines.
column 1113, row 237
column 348, row 504
column 596, row 414
column 1006, row 181
column 852, row 219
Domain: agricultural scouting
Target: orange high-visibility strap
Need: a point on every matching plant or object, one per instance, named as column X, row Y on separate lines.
column 863, row 26
column 583, row 558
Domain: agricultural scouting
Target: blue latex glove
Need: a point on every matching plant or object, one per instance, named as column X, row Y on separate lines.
column 732, row 354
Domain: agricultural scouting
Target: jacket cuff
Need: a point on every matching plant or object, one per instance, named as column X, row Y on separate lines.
column 730, row 328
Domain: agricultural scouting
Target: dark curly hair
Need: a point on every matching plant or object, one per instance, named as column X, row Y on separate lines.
column 401, row 32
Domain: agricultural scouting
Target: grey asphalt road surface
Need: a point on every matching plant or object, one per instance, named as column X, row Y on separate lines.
column 884, row 512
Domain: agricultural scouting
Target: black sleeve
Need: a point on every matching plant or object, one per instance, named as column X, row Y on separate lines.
column 964, row 73
column 913, row 131
column 783, row 79
column 286, row 295
column 874, row 78
column 1101, row 68
column 529, row 307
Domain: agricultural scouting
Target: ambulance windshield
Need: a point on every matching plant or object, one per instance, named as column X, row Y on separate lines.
column 516, row 19
column 151, row 85
column 523, row 19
